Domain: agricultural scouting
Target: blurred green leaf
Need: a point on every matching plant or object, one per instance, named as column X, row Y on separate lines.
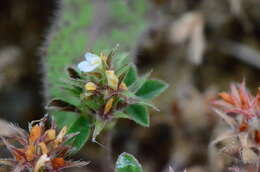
column 65, row 118
column 139, row 114
column 151, row 89
column 127, row 163
column 120, row 114
column 131, row 76
column 139, row 83
column 94, row 103
column 62, row 105
column 120, row 60
column 99, row 126
column 82, row 126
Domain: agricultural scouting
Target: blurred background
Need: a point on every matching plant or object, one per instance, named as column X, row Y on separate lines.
column 197, row 46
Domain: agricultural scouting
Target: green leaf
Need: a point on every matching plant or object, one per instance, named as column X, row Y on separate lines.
column 120, row 60
column 139, row 114
column 131, row 76
column 65, row 118
column 94, row 103
column 145, row 103
column 73, row 74
column 120, row 114
column 99, row 126
column 151, row 89
column 129, row 94
column 61, row 105
column 123, row 70
column 139, row 83
column 82, row 126
column 75, row 91
column 127, row 163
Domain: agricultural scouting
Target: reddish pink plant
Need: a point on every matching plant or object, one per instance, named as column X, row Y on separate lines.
column 240, row 101
column 241, row 110
column 242, row 107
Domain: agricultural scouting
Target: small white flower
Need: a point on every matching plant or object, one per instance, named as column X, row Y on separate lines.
column 91, row 63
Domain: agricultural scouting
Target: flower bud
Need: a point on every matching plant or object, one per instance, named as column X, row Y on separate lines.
column 122, row 86
column 112, row 79
column 90, row 86
column 108, row 105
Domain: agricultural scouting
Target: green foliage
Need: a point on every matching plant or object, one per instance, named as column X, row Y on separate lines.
column 64, row 45
column 139, row 114
column 131, row 76
column 99, row 126
column 135, row 86
column 117, row 92
column 151, row 89
column 72, row 34
column 103, row 96
column 81, row 125
column 127, row 163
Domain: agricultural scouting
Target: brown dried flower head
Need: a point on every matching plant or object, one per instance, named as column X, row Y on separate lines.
column 43, row 149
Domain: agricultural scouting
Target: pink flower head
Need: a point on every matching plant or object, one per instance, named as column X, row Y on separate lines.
column 239, row 101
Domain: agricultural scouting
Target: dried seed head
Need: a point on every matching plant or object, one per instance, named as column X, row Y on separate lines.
column 40, row 149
